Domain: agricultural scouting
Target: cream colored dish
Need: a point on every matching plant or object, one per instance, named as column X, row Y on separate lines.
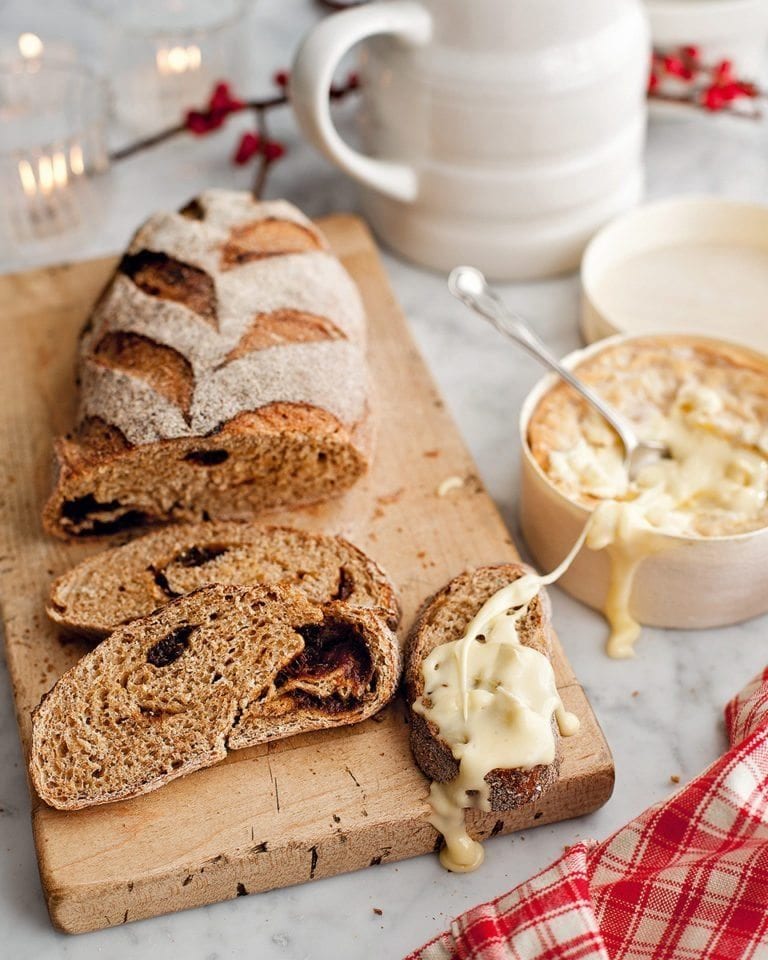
column 687, row 545
column 682, row 265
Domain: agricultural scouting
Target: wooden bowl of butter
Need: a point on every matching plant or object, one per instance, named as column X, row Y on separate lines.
column 685, row 543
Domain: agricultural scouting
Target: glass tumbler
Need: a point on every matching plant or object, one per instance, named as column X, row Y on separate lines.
column 166, row 55
column 52, row 137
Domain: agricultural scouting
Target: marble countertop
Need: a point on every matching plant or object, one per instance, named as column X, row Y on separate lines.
column 662, row 713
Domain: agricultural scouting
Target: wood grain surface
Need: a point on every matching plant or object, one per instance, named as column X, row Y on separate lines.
column 304, row 808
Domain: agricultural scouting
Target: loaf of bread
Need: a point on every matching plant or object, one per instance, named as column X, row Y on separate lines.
column 444, row 617
column 122, row 584
column 222, row 373
column 223, row 668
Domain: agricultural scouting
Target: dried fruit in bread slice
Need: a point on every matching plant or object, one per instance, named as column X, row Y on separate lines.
column 223, row 668
column 131, row 581
column 444, row 617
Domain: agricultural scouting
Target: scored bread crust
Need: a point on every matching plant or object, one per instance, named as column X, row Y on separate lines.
column 444, row 617
column 221, row 374
column 223, row 668
column 127, row 582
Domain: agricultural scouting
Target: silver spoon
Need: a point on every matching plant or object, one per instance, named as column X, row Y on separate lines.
column 470, row 286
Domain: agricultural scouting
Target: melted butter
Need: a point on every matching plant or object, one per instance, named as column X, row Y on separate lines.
column 493, row 700
column 710, row 485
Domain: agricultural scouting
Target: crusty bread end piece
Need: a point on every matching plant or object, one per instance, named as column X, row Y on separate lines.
column 122, row 584
column 444, row 617
column 223, row 668
column 221, row 374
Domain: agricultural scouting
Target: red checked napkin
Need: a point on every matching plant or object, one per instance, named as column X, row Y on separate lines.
column 686, row 880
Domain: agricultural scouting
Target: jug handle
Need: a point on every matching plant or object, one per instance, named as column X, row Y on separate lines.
column 312, row 75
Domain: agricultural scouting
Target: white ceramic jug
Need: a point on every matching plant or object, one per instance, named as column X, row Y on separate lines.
column 498, row 132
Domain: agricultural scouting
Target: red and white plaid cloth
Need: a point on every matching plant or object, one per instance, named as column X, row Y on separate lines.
column 686, row 880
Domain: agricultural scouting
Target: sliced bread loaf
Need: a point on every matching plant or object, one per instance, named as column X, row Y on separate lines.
column 122, row 584
column 222, row 373
column 223, row 668
column 444, row 617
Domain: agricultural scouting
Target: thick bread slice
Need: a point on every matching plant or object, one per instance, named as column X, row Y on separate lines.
column 223, row 668
column 444, row 617
column 128, row 582
column 281, row 455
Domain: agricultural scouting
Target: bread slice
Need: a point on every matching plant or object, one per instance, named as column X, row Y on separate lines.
column 222, row 373
column 223, row 668
column 443, row 618
column 128, row 582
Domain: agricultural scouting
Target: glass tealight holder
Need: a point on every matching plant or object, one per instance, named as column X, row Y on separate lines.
column 52, row 137
column 166, row 55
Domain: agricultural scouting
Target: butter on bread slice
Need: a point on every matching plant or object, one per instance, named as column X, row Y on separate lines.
column 443, row 618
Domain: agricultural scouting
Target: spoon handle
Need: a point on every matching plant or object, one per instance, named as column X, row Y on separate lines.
column 488, row 304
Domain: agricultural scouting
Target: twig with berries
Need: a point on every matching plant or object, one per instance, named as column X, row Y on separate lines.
column 336, row 5
column 680, row 76
column 252, row 144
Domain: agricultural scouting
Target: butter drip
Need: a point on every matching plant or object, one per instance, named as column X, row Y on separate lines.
column 492, row 699
column 711, row 485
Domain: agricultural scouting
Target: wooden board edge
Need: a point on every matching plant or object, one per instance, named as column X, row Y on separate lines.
column 74, row 908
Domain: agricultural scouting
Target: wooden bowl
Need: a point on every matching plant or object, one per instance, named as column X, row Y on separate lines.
column 697, row 582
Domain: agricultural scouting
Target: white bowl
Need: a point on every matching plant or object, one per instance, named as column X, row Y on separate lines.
column 694, row 265
column 697, row 582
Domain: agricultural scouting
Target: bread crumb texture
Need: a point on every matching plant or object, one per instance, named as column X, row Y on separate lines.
column 223, row 668
column 131, row 581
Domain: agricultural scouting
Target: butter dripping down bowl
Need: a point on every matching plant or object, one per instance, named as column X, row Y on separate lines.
column 693, row 583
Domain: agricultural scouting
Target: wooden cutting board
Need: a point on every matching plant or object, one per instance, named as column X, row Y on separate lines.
column 304, row 808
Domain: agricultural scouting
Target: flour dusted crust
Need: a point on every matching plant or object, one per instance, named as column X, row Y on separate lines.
column 230, row 320
column 642, row 378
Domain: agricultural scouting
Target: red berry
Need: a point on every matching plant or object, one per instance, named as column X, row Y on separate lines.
column 222, row 100
column 197, row 122
column 353, row 80
column 653, row 82
column 676, row 68
column 712, row 98
column 281, row 78
column 247, row 148
column 690, row 53
column 722, row 72
column 730, row 91
column 273, row 150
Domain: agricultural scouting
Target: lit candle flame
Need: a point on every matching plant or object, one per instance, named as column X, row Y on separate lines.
column 30, row 45
column 179, row 59
column 45, row 174
column 76, row 162
column 59, row 164
column 27, row 177
column 194, row 57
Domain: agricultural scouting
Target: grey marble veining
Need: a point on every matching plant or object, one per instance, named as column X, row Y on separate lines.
column 661, row 713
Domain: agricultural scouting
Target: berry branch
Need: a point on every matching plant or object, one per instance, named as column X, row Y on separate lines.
column 341, row 4
column 256, row 143
column 680, row 76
